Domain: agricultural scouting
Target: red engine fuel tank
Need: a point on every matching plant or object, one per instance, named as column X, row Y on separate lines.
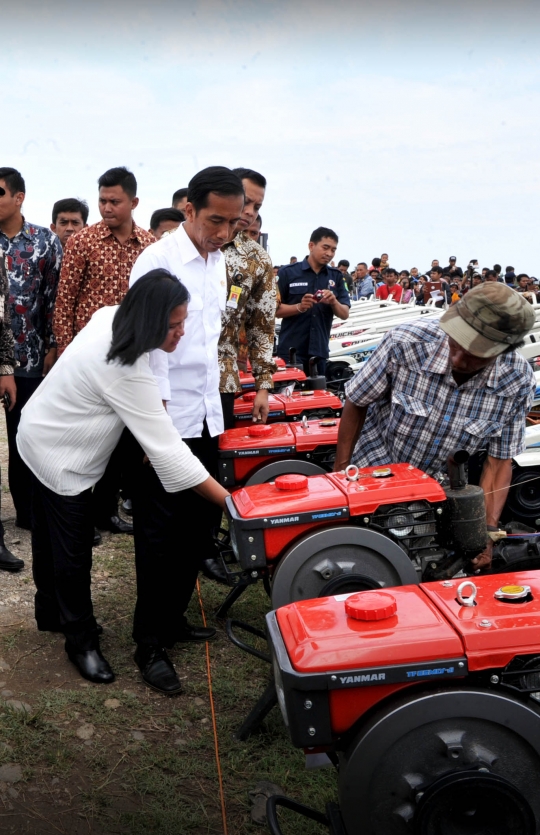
column 249, row 447
column 300, row 403
column 243, row 407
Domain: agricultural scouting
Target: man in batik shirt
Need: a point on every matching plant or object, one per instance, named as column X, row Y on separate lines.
column 33, row 256
column 95, row 273
column 251, row 302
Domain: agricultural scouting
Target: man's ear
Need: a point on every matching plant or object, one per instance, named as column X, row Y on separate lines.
column 189, row 212
column 134, row 203
column 52, row 227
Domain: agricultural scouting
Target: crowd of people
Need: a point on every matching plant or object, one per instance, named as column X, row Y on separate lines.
column 120, row 354
column 381, row 281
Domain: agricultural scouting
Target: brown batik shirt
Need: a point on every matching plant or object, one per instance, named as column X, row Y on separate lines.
column 95, row 273
column 249, row 268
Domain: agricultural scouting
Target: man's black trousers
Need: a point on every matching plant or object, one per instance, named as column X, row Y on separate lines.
column 173, row 534
column 19, row 475
column 62, row 535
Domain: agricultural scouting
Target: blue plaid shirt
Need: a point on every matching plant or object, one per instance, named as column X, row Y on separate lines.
column 418, row 414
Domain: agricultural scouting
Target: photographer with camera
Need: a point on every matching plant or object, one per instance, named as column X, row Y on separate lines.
column 312, row 293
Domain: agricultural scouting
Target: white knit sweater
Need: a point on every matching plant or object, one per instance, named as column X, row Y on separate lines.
column 72, row 423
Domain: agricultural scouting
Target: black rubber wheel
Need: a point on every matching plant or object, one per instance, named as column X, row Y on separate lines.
column 347, row 583
column 443, row 762
column 473, row 803
column 523, row 502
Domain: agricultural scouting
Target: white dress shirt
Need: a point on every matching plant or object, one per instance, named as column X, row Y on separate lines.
column 189, row 377
column 74, row 420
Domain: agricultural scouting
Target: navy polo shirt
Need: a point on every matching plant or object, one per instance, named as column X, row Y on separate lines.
column 308, row 332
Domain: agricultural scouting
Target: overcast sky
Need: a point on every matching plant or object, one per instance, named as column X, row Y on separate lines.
column 407, row 126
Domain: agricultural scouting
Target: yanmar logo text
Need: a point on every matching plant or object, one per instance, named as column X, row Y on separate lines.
column 362, row 679
column 284, row 520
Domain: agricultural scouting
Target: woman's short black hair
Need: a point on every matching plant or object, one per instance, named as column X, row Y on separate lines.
column 141, row 322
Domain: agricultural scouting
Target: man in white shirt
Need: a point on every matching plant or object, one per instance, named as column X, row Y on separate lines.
column 172, row 530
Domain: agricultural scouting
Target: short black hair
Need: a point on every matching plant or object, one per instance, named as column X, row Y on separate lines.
column 70, row 204
column 376, row 262
column 522, row 275
column 165, row 214
column 491, row 273
column 404, row 272
column 509, row 269
column 344, row 263
column 390, row 271
column 213, row 180
column 141, row 322
column 362, row 264
column 436, row 269
column 122, row 177
column 248, row 174
column 13, row 180
column 322, row 232
column 179, row 195
column 497, row 268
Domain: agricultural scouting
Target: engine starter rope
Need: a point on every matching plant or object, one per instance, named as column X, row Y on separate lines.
column 214, row 724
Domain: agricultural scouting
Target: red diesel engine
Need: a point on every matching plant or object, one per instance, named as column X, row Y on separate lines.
column 366, row 529
column 290, row 407
column 257, row 454
column 427, row 697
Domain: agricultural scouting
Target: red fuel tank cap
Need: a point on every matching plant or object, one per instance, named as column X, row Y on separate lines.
column 292, row 481
column 371, row 605
column 249, row 396
column 259, row 431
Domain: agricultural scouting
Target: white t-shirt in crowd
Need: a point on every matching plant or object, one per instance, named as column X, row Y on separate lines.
column 189, row 377
column 73, row 421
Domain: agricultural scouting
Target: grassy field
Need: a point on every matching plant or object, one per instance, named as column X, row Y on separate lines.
column 122, row 759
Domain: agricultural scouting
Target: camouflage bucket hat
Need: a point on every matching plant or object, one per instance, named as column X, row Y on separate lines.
column 489, row 319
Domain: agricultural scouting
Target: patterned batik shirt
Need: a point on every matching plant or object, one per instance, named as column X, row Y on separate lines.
column 418, row 414
column 249, row 268
column 95, row 273
column 34, row 257
column 7, row 354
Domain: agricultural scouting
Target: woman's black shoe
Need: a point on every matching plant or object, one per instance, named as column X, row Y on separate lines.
column 157, row 669
column 91, row 665
column 8, row 561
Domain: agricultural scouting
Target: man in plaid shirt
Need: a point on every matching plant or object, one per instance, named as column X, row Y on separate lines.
column 431, row 388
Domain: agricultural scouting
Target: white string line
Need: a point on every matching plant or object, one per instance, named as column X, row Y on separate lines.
column 521, row 483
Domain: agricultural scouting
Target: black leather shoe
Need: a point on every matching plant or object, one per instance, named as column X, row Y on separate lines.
column 195, row 633
column 213, row 569
column 157, row 670
column 98, row 539
column 115, row 525
column 91, row 665
column 8, row 561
